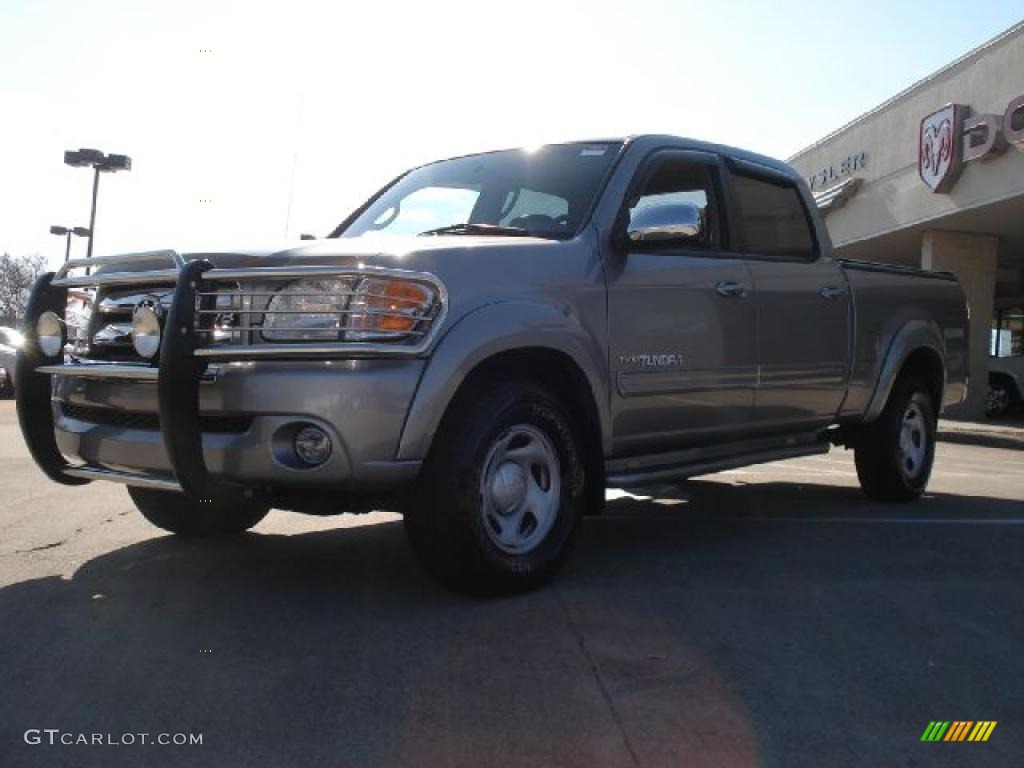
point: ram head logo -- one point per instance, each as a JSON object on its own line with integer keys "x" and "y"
{"x": 939, "y": 154}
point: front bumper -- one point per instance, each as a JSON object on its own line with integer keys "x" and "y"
{"x": 360, "y": 400}
{"x": 361, "y": 404}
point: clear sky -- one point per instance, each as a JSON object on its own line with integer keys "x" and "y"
{"x": 286, "y": 115}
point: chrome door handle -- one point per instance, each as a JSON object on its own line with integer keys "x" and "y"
{"x": 730, "y": 290}
{"x": 829, "y": 292}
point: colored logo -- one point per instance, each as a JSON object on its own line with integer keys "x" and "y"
{"x": 958, "y": 730}
{"x": 938, "y": 155}
{"x": 949, "y": 138}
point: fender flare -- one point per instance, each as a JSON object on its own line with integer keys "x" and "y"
{"x": 490, "y": 330}
{"x": 912, "y": 336}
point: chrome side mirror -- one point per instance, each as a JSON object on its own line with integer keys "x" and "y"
{"x": 665, "y": 223}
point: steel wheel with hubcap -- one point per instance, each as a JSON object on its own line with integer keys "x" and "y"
{"x": 520, "y": 489}
{"x": 501, "y": 493}
{"x": 894, "y": 454}
{"x": 913, "y": 441}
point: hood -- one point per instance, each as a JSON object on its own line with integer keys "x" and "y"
{"x": 395, "y": 252}
{"x": 475, "y": 270}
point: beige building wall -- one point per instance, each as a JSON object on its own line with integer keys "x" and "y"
{"x": 975, "y": 230}
{"x": 972, "y": 258}
{"x": 892, "y": 195}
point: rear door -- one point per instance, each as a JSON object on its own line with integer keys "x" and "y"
{"x": 682, "y": 330}
{"x": 803, "y": 306}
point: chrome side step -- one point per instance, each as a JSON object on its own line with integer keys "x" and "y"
{"x": 91, "y": 472}
{"x": 622, "y": 477}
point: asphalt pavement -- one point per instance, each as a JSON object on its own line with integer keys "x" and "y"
{"x": 768, "y": 616}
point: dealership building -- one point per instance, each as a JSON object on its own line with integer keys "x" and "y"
{"x": 934, "y": 177}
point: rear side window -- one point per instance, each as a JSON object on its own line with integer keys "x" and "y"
{"x": 774, "y": 222}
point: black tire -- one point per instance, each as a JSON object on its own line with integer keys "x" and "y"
{"x": 887, "y": 470}
{"x": 177, "y": 513}
{"x": 453, "y": 524}
{"x": 1002, "y": 397}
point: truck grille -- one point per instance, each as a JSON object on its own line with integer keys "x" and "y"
{"x": 100, "y": 323}
{"x": 234, "y": 424}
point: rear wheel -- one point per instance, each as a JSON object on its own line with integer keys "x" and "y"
{"x": 178, "y": 513}
{"x": 894, "y": 454}
{"x": 502, "y": 490}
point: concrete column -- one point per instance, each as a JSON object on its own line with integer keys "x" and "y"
{"x": 972, "y": 258}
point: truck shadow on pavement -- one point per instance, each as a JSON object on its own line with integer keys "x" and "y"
{"x": 708, "y": 624}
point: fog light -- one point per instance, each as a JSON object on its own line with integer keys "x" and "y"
{"x": 312, "y": 446}
{"x": 50, "y": 334}
{"x": 146, "y": 331}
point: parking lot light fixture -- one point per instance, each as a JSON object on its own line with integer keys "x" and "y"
{"x": 100, "y": 163}
{"x": 67, "y": 232}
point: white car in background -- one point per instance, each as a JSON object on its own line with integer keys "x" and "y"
{"x": 1005, "y": 386}
{"x": 1006, "y": 364}
{"x": 10, "y": 340}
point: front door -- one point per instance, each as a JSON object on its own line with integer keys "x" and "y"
{"x": 682, "y": 320}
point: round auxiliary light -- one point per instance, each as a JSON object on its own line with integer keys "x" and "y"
{"x": 146, "y": 330}
{"x": 312, "y": 446}
{"x": 50, "y": 334}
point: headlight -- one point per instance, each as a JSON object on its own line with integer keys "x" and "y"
{"x": 385, "y": 308}
{"x": 146, "y": 329}
{"x": 50, "y": 334}
{"x": 308, "y": 310}
{"x": 347, "y": 309}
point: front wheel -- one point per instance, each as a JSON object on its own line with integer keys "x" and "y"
{"x": 894, "y": 454}
{"x": 502, "y": 490}
{"x": 180, "y": 514}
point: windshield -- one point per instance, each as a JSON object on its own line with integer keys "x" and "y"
{"x": 545, "y": 192}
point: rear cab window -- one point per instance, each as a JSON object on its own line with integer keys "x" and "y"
{"x": 773, "y": 219}
{"x": 524, "y": 206}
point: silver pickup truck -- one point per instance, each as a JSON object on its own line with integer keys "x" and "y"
{"x": 487, "y": 344}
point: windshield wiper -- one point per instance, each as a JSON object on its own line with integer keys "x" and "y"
{"x": 477, "y": 229}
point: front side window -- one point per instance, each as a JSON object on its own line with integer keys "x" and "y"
{"x": 773, "y": 218}
{"x": 547, "y": 192}
{"x": 675, "y": 181}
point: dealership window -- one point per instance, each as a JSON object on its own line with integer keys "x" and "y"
{"x": 1008, "y": 333}
{"x": 774, "y": 220}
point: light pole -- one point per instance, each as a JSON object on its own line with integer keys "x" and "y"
{"x": 68, "y": 232}
{"x": 100, "y": 163}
